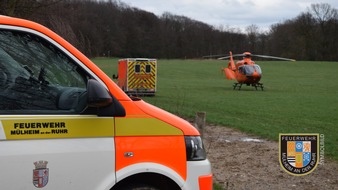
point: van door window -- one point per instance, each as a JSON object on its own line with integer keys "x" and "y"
{"x": 137, "y": 68}
{"x": 148, "y": 69}
{"x": 37, "y": 77}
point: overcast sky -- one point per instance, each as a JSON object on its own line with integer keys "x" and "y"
{"x": 231, "y": 13}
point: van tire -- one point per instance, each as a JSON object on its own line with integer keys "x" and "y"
{"x": 146, "y": 181}
{"x": 141, "y": 187}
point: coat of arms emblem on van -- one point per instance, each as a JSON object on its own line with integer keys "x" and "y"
{"x": 40, "y": 174}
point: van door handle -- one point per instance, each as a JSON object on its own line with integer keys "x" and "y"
{"x": 128, "y": 154}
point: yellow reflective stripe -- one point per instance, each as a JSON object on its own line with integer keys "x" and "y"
{"x": 46, "y": 127}
{"x": 144, "y": 127}
{"x": 135, "y": 80}
{"x": 131, "y": 72}
{"x": 57, "y": 127}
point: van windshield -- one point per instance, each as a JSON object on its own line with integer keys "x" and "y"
{"x": 37, "y": 77}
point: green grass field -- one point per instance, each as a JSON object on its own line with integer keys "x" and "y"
{"x": 298, "y": 97}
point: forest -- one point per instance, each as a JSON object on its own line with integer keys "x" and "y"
{"x": 112, "y": 28}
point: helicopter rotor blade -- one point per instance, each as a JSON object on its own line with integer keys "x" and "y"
{"x": 234, "y": 55}
{"x": 273, "y": 57}
{"x": 253, "y": 55}
{"x": 222, "y": 58}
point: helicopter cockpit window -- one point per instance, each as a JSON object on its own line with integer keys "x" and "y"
{"x": 258, "y": 69}
{"x": 241, "y": 70}
{"x": 37, "y": 77}
{"x": 249, "y": 69}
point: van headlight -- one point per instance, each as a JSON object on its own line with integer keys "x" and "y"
{"x": 194, "y": 148}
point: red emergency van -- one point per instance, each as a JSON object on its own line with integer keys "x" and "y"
{"x": 64, "y": 124}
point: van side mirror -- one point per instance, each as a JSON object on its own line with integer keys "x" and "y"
{"x": 98, "y": 96}
{"x": 106, "y": 105}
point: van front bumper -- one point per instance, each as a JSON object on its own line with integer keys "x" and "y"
{"x": 199, "y": 176}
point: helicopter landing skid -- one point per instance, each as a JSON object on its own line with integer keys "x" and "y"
{"x": 256, "y": 85}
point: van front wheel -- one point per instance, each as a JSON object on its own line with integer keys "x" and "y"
{"x": 146, "y": 181}
{"x": 141, "y": 187}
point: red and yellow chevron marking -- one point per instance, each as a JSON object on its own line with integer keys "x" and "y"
{"x": 142, "y": 79}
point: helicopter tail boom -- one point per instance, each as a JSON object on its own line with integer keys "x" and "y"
{"x": 229, "y": 74}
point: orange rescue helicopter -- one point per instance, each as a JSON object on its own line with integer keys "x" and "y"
{"x": 246, "y": 71}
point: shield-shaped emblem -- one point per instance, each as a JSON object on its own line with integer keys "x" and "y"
{"x": 298, "y": 153}
{"x": 40, "y": 174}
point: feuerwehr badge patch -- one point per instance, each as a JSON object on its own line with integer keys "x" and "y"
{"x": 298, "y": 153}
{"x": 40, "y": 174}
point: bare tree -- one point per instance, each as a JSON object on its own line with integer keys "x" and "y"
{"x": 252, "y": 34}
{"x": 24, "y": 8}
{"x": 326, "y": 18}
{"x": 323, "y": 12}
{"x": 110, "y": 27}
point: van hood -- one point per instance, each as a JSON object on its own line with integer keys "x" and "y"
{"x": 167, "y": 117}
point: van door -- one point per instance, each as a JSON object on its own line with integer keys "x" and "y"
{"x": 49, "y": 137}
